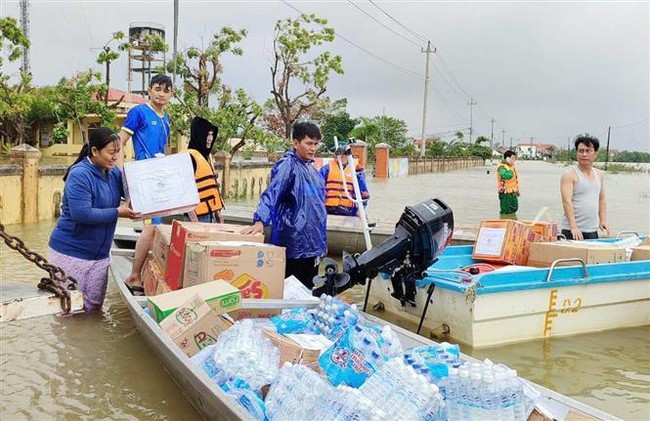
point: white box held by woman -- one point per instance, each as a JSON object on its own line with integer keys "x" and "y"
{"x": 162, "y": 186}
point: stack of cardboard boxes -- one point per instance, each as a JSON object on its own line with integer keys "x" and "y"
{"x": 195, "y": 268}
{"x": 535, "y": 244}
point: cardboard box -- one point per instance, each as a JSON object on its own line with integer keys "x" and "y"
{"x": 299, "y": 349}
{"x": 255, "y": 269}
{"x": 641, "y": 252}
{"x": 185, "y": 232}
{"x": 160, "y": 248}
{"x": 194, "y": 325}
{"x": 503, "y": 241}
{"x": 547, "y": 230}
{"x": 544, "y": 254}
{"x": 220, "y": 296}
{"x": 152, "y": 276}
{"x": 161, "y": 186}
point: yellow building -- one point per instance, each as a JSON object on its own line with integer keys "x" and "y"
{"x": 42, "y": 131}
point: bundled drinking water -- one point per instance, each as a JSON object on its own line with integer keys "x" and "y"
{"x": 299, "y": 393}
{"x": 484, "y": 391}
{"x": 436, "y": 359}
{"x": 204, "y": 360}
{"x": 296, "y": 320}
{"x": 244, "y": 352}
{"x": 403, "y": 394}
{"x": 358, "y": 353}
{"x": 333, "y": 316}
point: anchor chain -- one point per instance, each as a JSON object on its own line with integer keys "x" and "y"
{"x": 57, "y": 283}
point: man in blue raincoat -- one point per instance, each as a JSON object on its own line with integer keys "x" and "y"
{"x": 294, "y": 205}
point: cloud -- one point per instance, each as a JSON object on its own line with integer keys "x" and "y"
{"x": 547, "y": 70}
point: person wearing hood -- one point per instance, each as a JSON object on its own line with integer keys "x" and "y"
{"x": 81, "y": 240}
{"x": 202, "y": 140}
{"x": 294, "y": 205}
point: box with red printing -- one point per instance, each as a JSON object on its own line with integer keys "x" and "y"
{"x": 186, "y": 232}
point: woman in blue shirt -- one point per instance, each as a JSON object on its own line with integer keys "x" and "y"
{"x": 81, "y": 241}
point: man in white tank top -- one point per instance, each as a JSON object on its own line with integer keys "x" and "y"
{"x": 583, "y": 194}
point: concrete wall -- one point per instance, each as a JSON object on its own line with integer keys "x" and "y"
{"x": 50, "y": 190}
{"x": 11, "y": 194}
{"x": 247, "y": 179}
{"x": 424, "y": 165}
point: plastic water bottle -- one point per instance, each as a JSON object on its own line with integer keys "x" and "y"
{"x": 452, "y": 404}
{"x": 244, "y": 352}
{"x": 517, "y": 393}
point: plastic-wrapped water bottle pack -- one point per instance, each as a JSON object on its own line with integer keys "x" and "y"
{"x": 484, "y": 391}
{"x": 299, "y": 393}
{"x": 403, "y": 394}
{"x": 244, "y": 352}
{"x": 358, "y": 353}
{"x": 333, "y": 316}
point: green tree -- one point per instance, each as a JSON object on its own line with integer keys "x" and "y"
{"x": 201, "y": 69}
{"x": 107, "y": 56}
{"x": 15, "y": 97}
{"x": 293, "y": 40}
{"x": 393, "y": 131}
{"x": 79, "y": 97}
{"x": 339, "y": 125}
{"x": 368, "y": 131}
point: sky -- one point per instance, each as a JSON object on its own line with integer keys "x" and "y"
{"x": 546, "y": 70}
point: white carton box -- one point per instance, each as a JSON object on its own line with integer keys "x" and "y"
{"x": 162, "y": 186}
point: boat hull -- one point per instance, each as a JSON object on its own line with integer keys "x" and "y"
{"x": 521, "y": 305}
{"x": 213, "y": 403}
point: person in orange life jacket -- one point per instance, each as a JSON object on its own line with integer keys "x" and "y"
{"x": 508, "y": 184}
{"x": 202, "y": 136}
{"x": 336, "y": 200}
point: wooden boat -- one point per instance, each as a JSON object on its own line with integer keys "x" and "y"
{"x": 343, "y": 232}
{"x": 518, "y": 303}
{"x": 213, "y": 403}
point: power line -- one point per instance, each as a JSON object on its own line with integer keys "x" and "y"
{"x": 422, "y": 38}
{"x": 633, "y": 124}
{"x": 383, "y": 24}
{"x": 446, "y": 67}
{"x": 370, "y": 53}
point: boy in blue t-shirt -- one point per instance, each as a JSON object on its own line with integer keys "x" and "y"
{"x": 148, "y": 125}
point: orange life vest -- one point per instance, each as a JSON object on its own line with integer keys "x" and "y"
{"x": 206, "y": 183}
{"x": 334, "y": 190}
{"x": 507, "y": 186}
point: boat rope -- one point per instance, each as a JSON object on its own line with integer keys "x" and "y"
{"x": 57, "y": 283}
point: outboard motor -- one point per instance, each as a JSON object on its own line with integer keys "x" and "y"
{"x": 421, "y": 234}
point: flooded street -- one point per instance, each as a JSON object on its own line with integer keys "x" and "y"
{"x": 98, "y": 367}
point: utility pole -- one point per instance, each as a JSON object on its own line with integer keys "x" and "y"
{"x": 24, "y": 26}
{"x": 471, "y": 104}
{"x": 510, "y": 142}
{"x": 492, "y": 135}
{"x": 568, "y": 149}
{"x": 503, "y": 134}
{"x": 531, "y": 147}
{"x": 175, "y": 41}
{"x": 426, "y": 93}
{"x": 607, "y": 150}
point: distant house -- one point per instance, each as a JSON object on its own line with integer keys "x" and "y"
{"x": 535, "y": 150}
{"x": 88, "y": 122}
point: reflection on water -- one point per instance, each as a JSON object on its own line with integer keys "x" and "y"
{"x": 98, "y": 366}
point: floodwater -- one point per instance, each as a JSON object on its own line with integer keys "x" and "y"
{"x": 98, "y": 367}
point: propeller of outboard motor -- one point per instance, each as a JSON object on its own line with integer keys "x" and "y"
{"x": 331, "y": 281}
